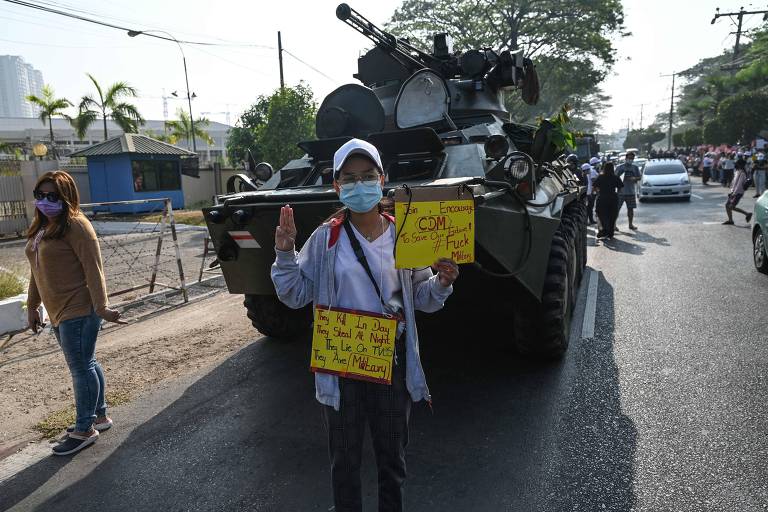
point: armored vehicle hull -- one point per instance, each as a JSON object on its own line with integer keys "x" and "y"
{"x": 530, "y": 235}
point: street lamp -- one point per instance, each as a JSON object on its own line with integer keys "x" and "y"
{"x": 134, "y": 33}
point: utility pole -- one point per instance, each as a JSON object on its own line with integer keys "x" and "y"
{"x": 280, "y": 57}
{"x": 641, "y": 115}
{"x": 740, "y": 16}
{"x": 671, "y": 111}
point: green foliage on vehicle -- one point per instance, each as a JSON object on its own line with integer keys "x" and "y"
{"x": 560, "y": 136}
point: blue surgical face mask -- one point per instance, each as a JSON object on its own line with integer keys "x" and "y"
{"x": 362, "y": 196}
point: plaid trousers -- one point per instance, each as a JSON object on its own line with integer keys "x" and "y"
{"x": 386, "y": 410}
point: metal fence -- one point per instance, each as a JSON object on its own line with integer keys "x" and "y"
{"x": 141, "y": 255}
{"x": 13, "y": 215}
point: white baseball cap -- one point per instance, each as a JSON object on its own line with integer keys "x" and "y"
{"x": 355, "y": 147}
{"x": 594, "y": 160}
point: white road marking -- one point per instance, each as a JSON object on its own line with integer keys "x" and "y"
{"x": 711, "y": 223}
{"x": 697, "y": 197}
{"x": 590, "y": 309}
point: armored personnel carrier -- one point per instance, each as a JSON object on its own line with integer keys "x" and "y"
{"x": 433, "y": 116}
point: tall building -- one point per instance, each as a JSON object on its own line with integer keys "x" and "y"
{"x": 18, "y": 80}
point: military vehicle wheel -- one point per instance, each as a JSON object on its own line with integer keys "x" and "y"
{"x": 273, "y": 318}
{"x": 542, "y": 329}
{"x": 575, "y": 216}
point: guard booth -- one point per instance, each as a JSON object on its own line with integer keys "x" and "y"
{"x": 132, "y": 167}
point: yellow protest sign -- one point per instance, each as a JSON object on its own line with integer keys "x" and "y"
{"x": 438, "y": 223}
{"x": 353, "y": 344}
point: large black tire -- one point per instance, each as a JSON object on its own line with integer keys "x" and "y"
{"x": 542, "y": 329}
{"x": 273, "y": 318}
{"x": 575, "y": 217}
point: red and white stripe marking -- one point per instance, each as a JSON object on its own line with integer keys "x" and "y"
{"x": 244, "y": 239}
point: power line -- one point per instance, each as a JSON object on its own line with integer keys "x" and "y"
{"x": 123, "y": 20}
{"x": 58, "y": 45}
{"x": 118, "y": 27}
{"x": 310, "y": 66}
{"x": 231, "y": 62}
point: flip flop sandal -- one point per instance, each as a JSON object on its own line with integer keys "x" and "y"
{"x": 74, "y": 444}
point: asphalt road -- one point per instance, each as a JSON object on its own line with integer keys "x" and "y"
{"x": 664, "y": 409}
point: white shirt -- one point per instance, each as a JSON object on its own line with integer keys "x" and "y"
{"x": 354, "y": 289}
{"x": 591, "y": 175}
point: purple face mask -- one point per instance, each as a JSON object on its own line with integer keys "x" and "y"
{"x": 48, "y": 208}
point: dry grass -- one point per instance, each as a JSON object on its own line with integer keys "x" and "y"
{"x": 10, "y": 285}
{"x": 193, "y": 217}
{"x": 56, "y": 422}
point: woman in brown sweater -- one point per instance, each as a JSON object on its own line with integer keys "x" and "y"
{"x": 67, "y": 277}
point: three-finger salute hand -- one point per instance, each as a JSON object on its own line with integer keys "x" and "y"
{"x": 447, "y": 271}
{"x": 285, "y": 233}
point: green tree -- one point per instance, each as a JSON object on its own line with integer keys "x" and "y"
{"x": 572, "y": 43}
{"x": 701, "y": 99}
{"x": 643, "y": 139}
{"x": 50, "y": 106}
{"x": 243, "y": 144}
{"x": 712, "y": 81}
{"x": 290, "y": 120}
{"x": 743, "y": 116}
{"x": 754, "y": 75}
{"x": 273, "y": 126}
{"x": 110, "y": 104}
{"x": 693, "y": 136}
{"x": 181, "y": 129}
{"x": 714, "y": 133}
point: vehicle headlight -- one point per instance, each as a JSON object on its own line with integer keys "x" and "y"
{"x": 684, "y": 180}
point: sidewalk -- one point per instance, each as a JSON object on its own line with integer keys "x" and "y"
{"x": 35, "y": 381}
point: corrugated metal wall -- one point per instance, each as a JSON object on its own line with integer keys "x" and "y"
{"x": 13, "y": 217}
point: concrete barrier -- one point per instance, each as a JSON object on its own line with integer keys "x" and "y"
{"x": 13, "y": 314}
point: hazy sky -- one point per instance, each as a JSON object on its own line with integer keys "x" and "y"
{"x": 667, "y": 35}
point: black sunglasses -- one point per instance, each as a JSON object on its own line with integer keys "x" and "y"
{"x": 51, "y": 196}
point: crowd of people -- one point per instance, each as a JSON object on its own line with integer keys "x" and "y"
{"x": 609, "y": 187}
{"x": 734, "y": 168}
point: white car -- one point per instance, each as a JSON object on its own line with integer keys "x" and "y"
{"x": 664, "y": 178}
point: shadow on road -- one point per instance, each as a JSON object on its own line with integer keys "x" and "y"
{"x": 505, "y": 434}
{"x": 597, "y": 441}
{"x": 619, "y": 245}
{"x": 27, "y": 481}
{"x": 645, "y": 237}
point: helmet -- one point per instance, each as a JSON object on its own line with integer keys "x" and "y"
{"x": 572, "y": 158}
{"x": 594, "y": 160}
{"x": 586, "y": 167}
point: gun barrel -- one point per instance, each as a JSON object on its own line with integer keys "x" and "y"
{"x": 398, "y": 49}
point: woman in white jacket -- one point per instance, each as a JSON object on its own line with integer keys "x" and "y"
{"x": 328, "y": 271}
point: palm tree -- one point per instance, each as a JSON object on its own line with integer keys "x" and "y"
{"x": 110, "y": 104}
{"x": 50, "y": 106}
{"x": 182, "y": 128}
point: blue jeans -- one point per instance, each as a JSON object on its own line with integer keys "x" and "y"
{"x": 77, "y": 339}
